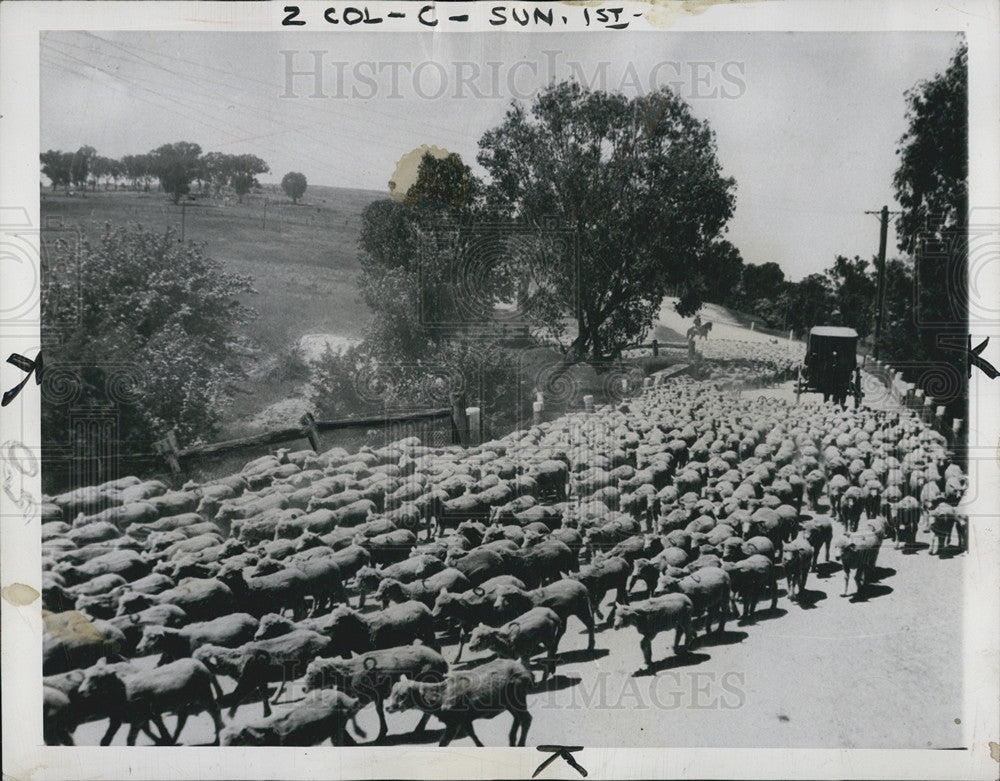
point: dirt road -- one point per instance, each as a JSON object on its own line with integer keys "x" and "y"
{"x": 884, "y": 672}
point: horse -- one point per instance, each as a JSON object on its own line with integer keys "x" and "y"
{"x": 701, "y": 331}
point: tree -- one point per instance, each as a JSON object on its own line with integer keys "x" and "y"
{"x": 102, "y": 169}
{"x": 761, "y": 284}
{"x": 243, "y": 171}
{"x": 415, "y": 262}
{"x": 80, "y": 169}
{"x": 853, "y": 291}
{"x": 809, "y": 303}
{"x": 932, "y": 191}
{"x": 294, "y": 185}
{"x": 443, "y": 184}
{"x": 722, "y": 268}
{"x": 900, "y": 338}
{"x": 161, "y": 315}
{"x": 215, "y": 170}
{"x": 637, "y": 185}
{"x": 57, "y": 166}
{"x": 176, "y": 165}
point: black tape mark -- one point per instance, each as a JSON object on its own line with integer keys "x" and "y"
{"x": 564, "y": 752}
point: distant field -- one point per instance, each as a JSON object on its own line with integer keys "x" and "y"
{"x": 303, "y": 260}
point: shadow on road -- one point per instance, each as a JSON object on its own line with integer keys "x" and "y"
{"x": 683, "y": 659}
{"x": 883, "y": 572}
{"x": 909, "y": 548}
{"x": 871, "y": 591}
{"x": 950, "y": 551}
{"x": 727, "y": 637}
{"x": 581, "y": 655}
{"x": 827, "y": 568}
{"x": 555, "y": 683}
{"x": 427, "y": 736}
{"x": 764, "y": 614}
{"x": 808, "y": 598}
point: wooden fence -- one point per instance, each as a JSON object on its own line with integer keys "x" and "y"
{"x": 96, "y": 459}
{"x": 926, "y": 407}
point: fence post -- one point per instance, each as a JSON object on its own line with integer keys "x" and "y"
{"x": 459, "y": 420}
{"x": 656, "y": 348}
{"x": 588, "y": 403}
{"x": 956, "y": 430}
{"x": 927, "y": 412}
{"x": 536, "y": 413}
{"x": 308, "y": 423}
{"x": 475, "y": 425}
{"x": 167, "y": 447}
{"x": 939, "y": 420}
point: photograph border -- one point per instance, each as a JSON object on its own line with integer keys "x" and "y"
{"x": 26, "y": 756}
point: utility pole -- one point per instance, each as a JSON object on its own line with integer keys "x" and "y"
{"x": 880, "y": 270}
{"x": 183, "y": 218}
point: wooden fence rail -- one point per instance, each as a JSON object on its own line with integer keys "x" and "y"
{"x": 308, "y": 429}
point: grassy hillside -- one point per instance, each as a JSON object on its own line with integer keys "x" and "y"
{"x": 302, "y": 259}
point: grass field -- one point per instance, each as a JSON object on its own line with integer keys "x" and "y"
{"x": 302, "y": 259}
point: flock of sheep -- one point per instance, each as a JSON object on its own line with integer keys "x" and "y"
{"x": 689, "y": 502}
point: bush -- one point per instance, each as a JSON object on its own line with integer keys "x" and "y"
{"x": 144, "y": 323}
{"x": 355, "y": 382}
{"x": 291, "y": 365}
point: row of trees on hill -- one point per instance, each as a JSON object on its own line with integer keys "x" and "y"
{"x": 844, "y": 294}
{"x": 176, "y": 167}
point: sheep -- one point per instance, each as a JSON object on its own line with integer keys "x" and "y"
{"x": 425, "y": 590}
{"x": 600, "y": 577}
{"x": 370, "y": 677}
{"x": 184, "y": 687}
{"x": 462, "y": 697}
{"x": 566, "y": 597}
{"x": 319, "y": 716}
{"x": 229, "y": 631}
{"x": 540, "y": 627}
{"x": 260, "y": 662}
{"x": 271, "y": 593}
{"x": 58, "y": 720}
{"x": 658, "y": 614}
{"x": 405, "y": 571}
{"x": 70, "y": 640}
{"x": 201, "y": 598}
{"x": 748, "y": 580}
{"x": 83, "y": 708}
{"x": 400, "y": 624}
{"x": 472, "y": 607}
{"x": 798, "y": 557}
{"x": 708, "y": 589}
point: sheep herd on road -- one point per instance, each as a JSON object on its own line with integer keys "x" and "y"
{"x": 341, "y": 574}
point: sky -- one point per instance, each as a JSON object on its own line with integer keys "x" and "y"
{"x": 807, "y": 123}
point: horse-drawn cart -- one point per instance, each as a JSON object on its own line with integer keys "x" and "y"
{"x": 830, "y": 364}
